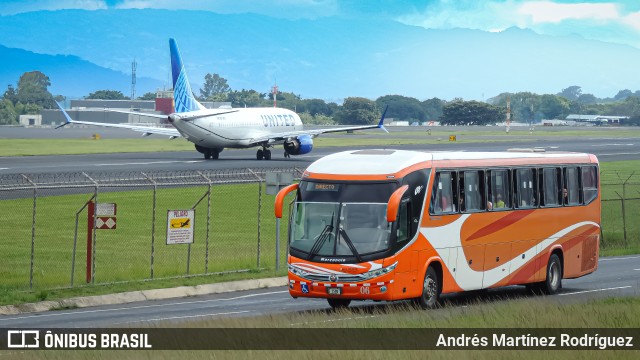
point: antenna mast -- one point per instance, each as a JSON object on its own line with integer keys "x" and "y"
{"x": 508, "y": 112}
{"x": 134, "y": 65}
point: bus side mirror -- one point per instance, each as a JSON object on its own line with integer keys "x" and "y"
{"x": 280, "y": 198}
{"x": 394, "y": 203}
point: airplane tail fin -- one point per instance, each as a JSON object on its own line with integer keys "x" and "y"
{"x": 183, "y": 98}
{"x": 381, "y": 122}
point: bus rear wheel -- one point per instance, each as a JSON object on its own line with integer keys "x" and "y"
{"x": 553, "y": 282}
{"x": 430, "y": 297}
{"x": 554, "y": 275}
{"x": 339, "y": 303}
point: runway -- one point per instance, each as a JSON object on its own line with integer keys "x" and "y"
{"x": 606, "y": 148}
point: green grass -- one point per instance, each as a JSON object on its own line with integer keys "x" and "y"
{"x": 124, "y": 254}
{"x": 414, "y": 136}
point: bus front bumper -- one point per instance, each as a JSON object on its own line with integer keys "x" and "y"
{"x": 371, "y": 290}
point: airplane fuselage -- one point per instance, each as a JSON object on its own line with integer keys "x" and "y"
{"x": 235, "y": 129}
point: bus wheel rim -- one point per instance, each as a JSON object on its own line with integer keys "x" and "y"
{"x": 430, "y": 288}
{"x": 553, "y": 275}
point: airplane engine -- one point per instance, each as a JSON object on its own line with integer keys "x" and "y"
{"x": 303, "y": 144}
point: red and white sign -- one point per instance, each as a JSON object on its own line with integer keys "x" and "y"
{"x": 106, "y": 222}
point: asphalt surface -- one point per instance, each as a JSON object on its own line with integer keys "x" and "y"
{"x": 605, "y": 147}
{"x": 615, "y": 277}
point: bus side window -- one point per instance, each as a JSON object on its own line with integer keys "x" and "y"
{"x": 550, "y": 188}
{"x": 404, "y": 222}
{"x": 442, "y": 200}
{"x": 473, "y": 191}
{"x": 589, "y": 183}
{"x": 524, "y": 187}
{"x": 499, "y": 191}
{"x": 572, "y": 186}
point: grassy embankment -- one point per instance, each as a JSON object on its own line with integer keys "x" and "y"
{"x": 539, "y": 312}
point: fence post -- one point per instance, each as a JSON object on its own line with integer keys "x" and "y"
{"x": 624, "y": 197}
{"x": 75, "y": 239}
{"x": 208, "y": 195}
{"x": 91, "y": 250}
{"x": 33, "y": 229}
{"x": 259, "y": 210}
{"x": 153, "y": 221}
{"x": 206, "y": 250}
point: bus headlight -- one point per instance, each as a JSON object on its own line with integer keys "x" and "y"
{"x": 297, "y": 271}
{"x": 379, "y": 272}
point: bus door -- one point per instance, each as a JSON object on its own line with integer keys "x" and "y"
{"x": 471, "y": 255}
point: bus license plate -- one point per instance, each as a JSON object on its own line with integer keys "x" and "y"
{"x": 334, "y": 291}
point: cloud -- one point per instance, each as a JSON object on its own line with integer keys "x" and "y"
{"x": 562, "y": 17}
{"x": 548, "y": 11}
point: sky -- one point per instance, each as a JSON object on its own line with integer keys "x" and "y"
{"x": 610, "y": 21}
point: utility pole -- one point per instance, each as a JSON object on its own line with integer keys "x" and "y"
{"x": 274, "y": 92}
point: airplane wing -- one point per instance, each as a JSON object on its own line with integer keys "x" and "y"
{"x": 145, "y": 130}
{"x": 277, "y": 138}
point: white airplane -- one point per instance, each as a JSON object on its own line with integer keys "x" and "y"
{"x": 212, "y": 130}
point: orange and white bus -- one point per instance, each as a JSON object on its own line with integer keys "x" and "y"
{"x": 394, "y": 224}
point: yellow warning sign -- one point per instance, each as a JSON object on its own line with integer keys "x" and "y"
{"x": 180, "y": 223}
{"x": 180, "y": 226}
{"x": 452, "y": 138}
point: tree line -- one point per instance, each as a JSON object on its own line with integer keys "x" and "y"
{"x": 32, "y": 95}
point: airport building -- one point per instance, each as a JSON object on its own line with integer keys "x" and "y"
{"x": 600, "y": 119}
{"x": 94, "y": 110}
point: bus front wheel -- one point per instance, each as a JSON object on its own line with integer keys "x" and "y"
{"x": 430, "y": 297}
{"x": 339, "y": 303}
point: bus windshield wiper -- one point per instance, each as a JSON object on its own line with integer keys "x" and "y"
{"x": 324, "y": 235}
{"x": 350, "y": 244}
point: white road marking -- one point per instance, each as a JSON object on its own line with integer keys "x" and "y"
{"x": 150, "y": 163}
{"x": 623, "y": 258}
{"x": 598, "y": 145}
{"x": 172, "y": 304}
{"x": 334, "y": 320}
{"x": 596, "y": 290}
{"x": 183, "y": 317}
{"x": 4, "y": 168}
{"x": 636, "y": 269}
{"x": 616, "y": 154}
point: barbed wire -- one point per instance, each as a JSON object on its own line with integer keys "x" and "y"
{"x": 139, "y": 178}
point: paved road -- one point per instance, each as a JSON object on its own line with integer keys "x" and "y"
{"x": 607, "y": 149}
{"x": 616, "y": 276}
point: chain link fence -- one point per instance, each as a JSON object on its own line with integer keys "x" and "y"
{"x": 620, "y": 209}
{"x": 48, "y": 240}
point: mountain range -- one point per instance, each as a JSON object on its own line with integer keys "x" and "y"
{"x": 329, "y": 58}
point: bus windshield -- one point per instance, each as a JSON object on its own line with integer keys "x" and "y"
{"x": 340, "y": 229}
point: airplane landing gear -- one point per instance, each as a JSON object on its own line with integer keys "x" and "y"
{"x": 263, "y": 154}
{"x": 212, "y": 154}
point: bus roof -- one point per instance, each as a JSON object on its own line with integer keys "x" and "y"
{"x": 396, "y": 163}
